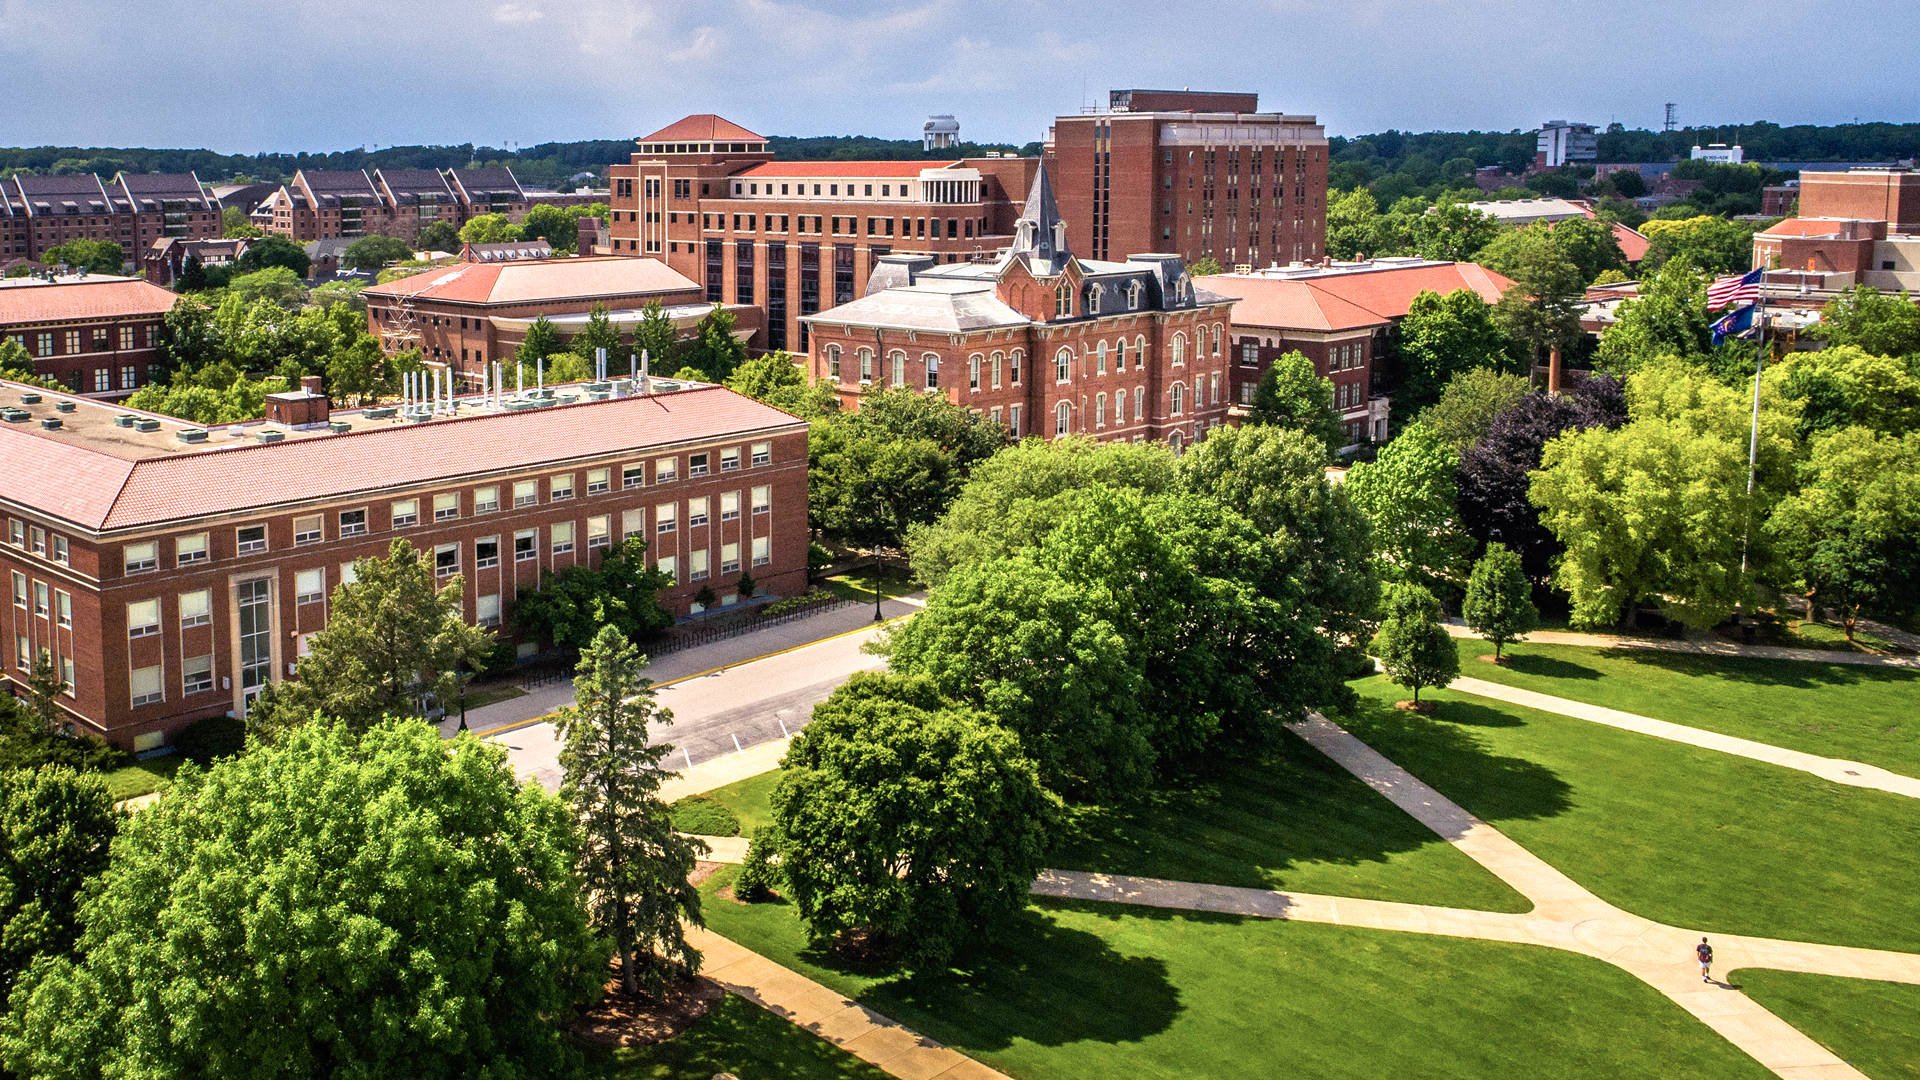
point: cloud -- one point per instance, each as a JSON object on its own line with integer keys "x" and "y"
{"x": 516, "y": 14}
{"x": 703, "y": 46}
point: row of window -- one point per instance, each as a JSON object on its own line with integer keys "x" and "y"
{"x": 43, "y": 600}
{"x": 33, "y": 538}
{"x": 92, "y": 340}
{"x": 23, "y": 658}
{"x": 144, "y": 555}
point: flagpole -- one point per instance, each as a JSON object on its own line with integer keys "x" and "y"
{"x": 1753, "y": 436}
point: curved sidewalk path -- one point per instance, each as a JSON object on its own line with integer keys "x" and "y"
{"x": 1702, "y": 647}
{"x": 1565, "y": 916}
{"x": 1837, "y": 770}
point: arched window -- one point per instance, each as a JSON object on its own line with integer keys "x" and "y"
{"x": 1062, "y": 302}
{"x": 1063, "y": 365}
{"x": 1093, "y": 299}
{"x": 973, "y": 373}
{"x": 1173, "y": 440}
{"x": 1179, "y": 349}
{"x": 1179, "y": 399}
{"x": 1139, "y": 403}
{"x": 898, "y": 361}
{"x": 1100, "y": 359}
{"x": 1219, "y": 335}
{"x": 1062, "y": 419}
{"x": 997, "y": 358}
{"x": 1134, "y": 291}
{"x": 1099, "y": 410}
{"x": 932, "y": 361}
{"x": 866, "y": 366}
{"x": 833, "y": 362}
{"x": 1013, "y": 365}
{"x": 1120, "y": 357}
{"x": 1140, "y": 352}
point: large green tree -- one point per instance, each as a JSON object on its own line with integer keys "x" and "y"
{"x": 1849, "y": 386}
{"x": 1468, "y": 404}
{"x": 910, "y": 818}
{"x": 276, "y": 284}
{"x": 1886, "y": 324}
{"x": 439, "y": 236}
{"x": 540, "y": 341}
{"x": 552, "y": 224}
{"x": 634, "y": 864}
{"x": 572, "y": 606}
{"x": 1849, "y": 535}
{"x": 895, "y": 463}
{"x": 1542, "y": 310}
{"x": 1410, "y": 499}
{"x": 1291, "y": 393}
{"x": 1590, "y": 245}
{"x": 599, "y": 333}
{"x": 269, "y": 251}
{"x": 375, "y": 252}
{"x": 489, "y": 229}
{"x": 388, "y": 904}
{"x": 1414, "y": 648}
{"x": 1443, "y": 337}
{"x": 655, "y": 337}
{"x": 1667, "y": 318}
{"x": 55, "y": 825}
{"x": 776, "y": 379}
{"x": 714, "y": 351}
{"x": 1499, "y": 602}
{"x": 93, "y": 256}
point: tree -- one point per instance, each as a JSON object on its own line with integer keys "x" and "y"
{"x": 1205, "y": 266}
{"x": 1292, "y": 394}
{"x": 270, "y": 251}
{"x": 394, "y": 644}
{"x": 236, "y": 225}
{"x": 1451, "y": 231}
{"x": 16, "y": 363}
{"x": 1542, "y": 310}
{"x": 55, "y": 826}
{"x": 93, "y": 256}
{"x": 599, "y": 333}
{"x": 654, "y": 336}
{"x": 489, "y": 229}
{"x": 1353, "y": 224}
{"x": 1589, "y": 244}
{"x": 714, "y": 351}
{"x": 375, "y": 252}
{"x": 552, "y": 224}
{"x": 776, "y": 379}
{"x": 540, "y": 342}
{"x": 340, "y": 292}
{"x": 438, "y": 236}
{"x": 1409, "y": 497}
{"x": 1667, "y": 318}
{"x": 391, "y": 904}
{"x": 276, "y": 284}
{"x": 895, "y": 463}
{"x": 1414, "y": 648}
{"x": 1886, "y": 324}
{"x": 908, "y": 817}
{"x": 570, "y": 607}
{"x": 1442, "y": 337}
{"x": 1850, "y": 534}
{"x": 1848, "y": 386}
{"x": 1469, "y": 403}
{"x": 1709, "y": 243}
{"x": 1499, "y": 603}
{"x": 634, "y": 865}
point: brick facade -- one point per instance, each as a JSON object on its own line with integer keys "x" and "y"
{"x": 132, "y": 209}
{"x": 94, "y": 335}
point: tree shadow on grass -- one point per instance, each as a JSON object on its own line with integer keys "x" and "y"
{"x": 1798, "y": 674}
{"x": 1442, "y": 749}
{"x": 1546, "y": 667}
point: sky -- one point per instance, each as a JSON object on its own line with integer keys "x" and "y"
{"x": 331, "y": 74}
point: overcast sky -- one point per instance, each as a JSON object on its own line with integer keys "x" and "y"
{"x": 329, "y": 74}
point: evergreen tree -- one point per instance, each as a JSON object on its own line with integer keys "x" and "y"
{"x": 1413, "y": 645}
{"x": 655, "y": 337}
{"x": 542, "y": 341}
{"x": 714, "y": 350}
{"x": 1499, "y": 604}
{"x": 599, "y": 333}
{"x": 634, "y": 864}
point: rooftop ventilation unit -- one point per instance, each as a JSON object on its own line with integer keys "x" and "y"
{"x": 124, "y": 420}
{"x": 63, "y": 406}
{"x": 16, "y": 416}
{"x": 51, "y": 423}
{"x": 191, "y": 435}
{"x": 146, "y": 425}
{"x": 381, "y": 413}
{"x": 29, "y": 399}
{"x": 272, "y": 436}
{"x": 339, "y": 427}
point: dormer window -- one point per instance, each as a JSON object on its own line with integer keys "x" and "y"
{"x": 1062, "y": 302}
{"x": 1134, "y": 290}
{"x": 1093, "y": 299}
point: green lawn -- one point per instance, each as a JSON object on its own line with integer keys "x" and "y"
{"x": 701, "y": 815}
{"x": 1672, "y": 832}
{"x": 749, "y": 800}
{"x": 493, "y": 695}
{"x": 1837, "y": 710}
{"x": 737, "y": 1037}
{"x": 1870, "y": 1025}
{"x": 1103, "y": 990}
{"x": 1296, "y": 822}
{"x": 858, "y": 584}
{"x": 142, "y": 777}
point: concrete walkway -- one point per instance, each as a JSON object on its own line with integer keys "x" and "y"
{"x": 847, "y": 1024}
{"x": 1565, "y": 916}
{"x": 1702, "y": 647}
{"x": 1838, "y": 770}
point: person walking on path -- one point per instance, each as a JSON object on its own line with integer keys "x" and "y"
{"x": 1704, "y": 952}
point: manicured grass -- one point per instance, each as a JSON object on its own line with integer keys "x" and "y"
{"x": 858, "y": 584}
{"x": 492, "y": 695}
{"x": 1676, "y": 833}
{"x": 1851, "y": 711}
{"x": 737, "y": 1037}
{"x": 749, "y": 800}
{"x": 1102, "y": 990}
{"x": 1296, "y": 822}
{"x": 703, "y": 816}
{"x": 1873, "y": 1026}
{"x": 143, "y": 777}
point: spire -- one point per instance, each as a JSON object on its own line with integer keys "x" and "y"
{"x": 1040, "y": 234}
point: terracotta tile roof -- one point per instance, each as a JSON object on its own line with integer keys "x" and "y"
{"x": 1632, "y": 244}
{"x": 64, "y": 301}
{"x": 780, "y": 170}
{"x": 1292, "y": 305}
{"x": 100, "y": 491}
{"x": 550, "y": 279}
{"x": 1347, "y": 300}
{"x": 703, "y": 127}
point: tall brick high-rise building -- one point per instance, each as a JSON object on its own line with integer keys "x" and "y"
{"x": 795, "y": 238}
{"x": 1199, "y": 174}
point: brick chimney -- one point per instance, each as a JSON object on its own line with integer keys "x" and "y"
{"x": 305, "y": 407}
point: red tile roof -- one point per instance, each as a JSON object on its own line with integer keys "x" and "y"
{"x": 67, "y": 301}
{"x": 98, "y": 490}
{"x": 703, "y": 127}
{"x": 542, "y": 279}
{"x": 855, "y": 169}
{"x": 1632, "y": 244}
{"x": 1294, "y": 305}
{"x": 1346, "y": 301}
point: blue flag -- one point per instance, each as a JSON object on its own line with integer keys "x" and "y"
{"x": 1733, "y": 324}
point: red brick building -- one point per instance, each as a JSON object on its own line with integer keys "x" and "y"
{"x": 1889, "y": 195}
{"x": 346, "y": 204}
{"x": 170, "y": 572}
{"x": 1859, "y": 227}
{"x": 795, "y": 238}
{"x": 95, "y": 335}
{"x": 165, "y": 259}
{"x": 1201, "y": 175}
{"x": 132, "y": 210}
{"x": 468, "y": 314}
{"x": 1341, "y": 317}
{"x": 1039, "y": 340}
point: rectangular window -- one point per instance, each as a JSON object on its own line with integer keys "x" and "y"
{"x": 309, "y": 586}
{"x": 23, "y": 653}
{"x": 306, "y": 529}
{"x": 526, "y": 493}
{"x": 561, "y": 540}
{"x": 729, "y": 558}
{"x": 633, "y": 523}
{"x": 762, "y": 498}
{"x": 486, "y": 553}
{"x": 17, "y": 533}
{"x": 597, "y": 483}
{"x": 196, "y": 608}
{"x": 696, "y": 464}
{"x": 486, "y": 499}
{"x": 729, "y": 505}
{"x": 486, "y": 609}
{"x": 353, "y": 522}
{"x": 632, "y": 476}
{"x": 696, "y": 512}
{"x": 39, "y": 540}
{"x": 143, "y": 618}
{"x": 190, "y": 549}
{"x": 667, "y": 565}
{"x": 526, "y": 545}
{"x": 697, "y": 565}
{"x": 599, "y": 531}
{"x": 67, "y": 674}
{"x": 63, "y": 608}
{"x": 196, "y": 674}
{"x": 560, "y": 487}
{"x": 663, "y": 518}
{"x": 762, "y": 453}
{"x": 142, "y": 557}
{"x": 446, "y": 560}
{"x": 42, "y": 600}
{"x": 665, "y": 469}
{"x": 762, "y": 550}
{"x": 406, "y": 512}
{"x": 1013, "y": 419}
{"x": 146, "y": 686}
{"x": 446, "y": 507}
{"x": 729, "y": 459}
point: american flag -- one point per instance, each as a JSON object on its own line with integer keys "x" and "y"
{"x": 1734, "y": 289}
